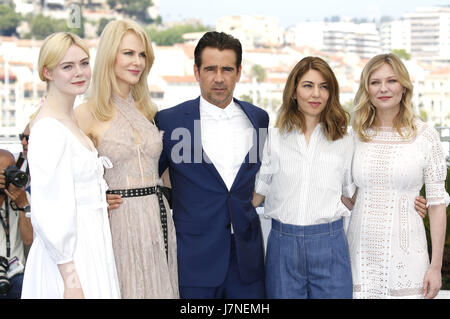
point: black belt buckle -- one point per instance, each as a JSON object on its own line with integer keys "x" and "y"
{"x": 135, "y": 192}
{"x": 159, "y": 191}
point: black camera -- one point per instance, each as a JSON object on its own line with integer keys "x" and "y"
{"x": 15, "y": 176}
{"x": 4, "y": 282}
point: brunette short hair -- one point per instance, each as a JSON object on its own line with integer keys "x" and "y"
{"x": 220, "y": 41}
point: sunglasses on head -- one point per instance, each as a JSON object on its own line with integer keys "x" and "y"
{"x": 22, "y": 136}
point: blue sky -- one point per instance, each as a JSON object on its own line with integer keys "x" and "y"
{"x": 288, "y": 11}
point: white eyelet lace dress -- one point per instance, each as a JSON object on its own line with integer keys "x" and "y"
{"x": 386, "y": 236}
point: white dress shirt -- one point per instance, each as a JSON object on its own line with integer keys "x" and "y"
{"x": 227, "y": 136}
{"x": 302, "y": 183}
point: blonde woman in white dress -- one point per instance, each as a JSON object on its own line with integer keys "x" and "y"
{"x": 71, "y": 255}
{"x": 395, "y": 154}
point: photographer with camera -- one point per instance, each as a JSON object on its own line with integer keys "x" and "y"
{"x": 16, "y": 229}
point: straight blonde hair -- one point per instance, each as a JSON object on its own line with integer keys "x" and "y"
{"x": 333, "y": 117}
{"x": 364, "y": 112}
{"x": 104, "y": 82}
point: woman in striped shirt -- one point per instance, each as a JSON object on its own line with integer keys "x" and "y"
{"x": 305, "y": 171}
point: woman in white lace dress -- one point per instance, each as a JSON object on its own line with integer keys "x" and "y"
{"x": 395, "y": 154}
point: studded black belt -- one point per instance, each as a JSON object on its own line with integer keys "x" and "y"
{"x": 145, "y": 191}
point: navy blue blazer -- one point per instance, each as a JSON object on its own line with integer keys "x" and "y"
{"x": 203, "y": 207}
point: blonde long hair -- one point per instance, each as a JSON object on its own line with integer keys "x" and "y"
{"x": 104, "y": 81}
{"x": 333, "y": 117}
{"x": 364, "y": 112}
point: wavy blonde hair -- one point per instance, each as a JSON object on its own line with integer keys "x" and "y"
{"x": 104, "y": 82}
{"x": 364, "y": 111}
{"x": 333, "y": 117}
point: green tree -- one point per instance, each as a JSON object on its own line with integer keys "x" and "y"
{"x": 112, "y": 3}
{"x": 102, "y": 24}
{"x": 423, "y": 115}
{"x": 165, "y": 37}
{"x": 158, "y": 20}
{"x": 258, "y": 72}
{"x": 9, "y": 20}
{"x": 246, "y": 98}
{"x": 135, "y": 9}
{"x": 402, "y": 54}
{"x": 42, "y": 26}
{"x": 174, "y": 34}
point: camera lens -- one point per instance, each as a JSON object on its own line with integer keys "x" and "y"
{"x": 15, "y": 176}
{"x": 20, "y": 179}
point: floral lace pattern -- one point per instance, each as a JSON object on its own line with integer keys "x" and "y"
{"x": 134, "y": 144}
{"x": 387, "y": 242}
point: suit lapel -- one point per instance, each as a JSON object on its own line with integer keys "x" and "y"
{"x": 248, "y": 112}
{"x": 192, "y": 123}
{"x": 252, "y": 155}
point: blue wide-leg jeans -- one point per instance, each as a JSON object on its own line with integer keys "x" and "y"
{"x": 310, "y": 262}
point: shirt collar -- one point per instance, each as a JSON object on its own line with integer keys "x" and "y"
{"x": 217, "y": 112}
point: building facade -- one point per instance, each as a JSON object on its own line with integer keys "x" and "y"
{"x": 424, "y": 33}
{"x": 252, "y": 31}
{"x": 362, "y": 39}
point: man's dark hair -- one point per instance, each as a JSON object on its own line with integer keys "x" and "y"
{"x": 220, "y": 41}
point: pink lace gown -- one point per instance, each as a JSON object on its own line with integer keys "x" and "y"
{"x": 133, "y": 144}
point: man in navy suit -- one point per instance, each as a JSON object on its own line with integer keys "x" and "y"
{"x": 212, "y": 146}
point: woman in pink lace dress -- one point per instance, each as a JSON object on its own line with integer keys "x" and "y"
{"x": 118, "y": 117}
{"x": 395, "y": 154}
